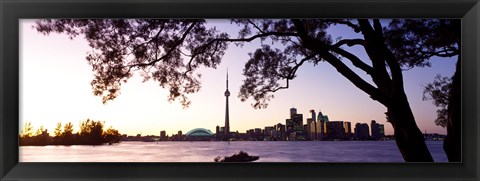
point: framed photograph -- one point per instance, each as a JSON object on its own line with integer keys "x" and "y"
{"x": 364, "y": 90}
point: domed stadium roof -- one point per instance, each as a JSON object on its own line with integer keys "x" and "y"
{"x": 199, "y": 132}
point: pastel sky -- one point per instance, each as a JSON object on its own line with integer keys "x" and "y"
{"x": 55, "y": 87}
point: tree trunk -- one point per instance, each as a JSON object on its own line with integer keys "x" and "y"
{"x": 408, "y": 137}
{"x": 452, "y": 144}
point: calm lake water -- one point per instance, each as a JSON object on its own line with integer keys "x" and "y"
{"x": 275, "y": 151}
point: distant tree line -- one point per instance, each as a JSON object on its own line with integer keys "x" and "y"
{"x": 91, "y": 133}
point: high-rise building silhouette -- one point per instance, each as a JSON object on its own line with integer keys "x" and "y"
{"x": 227, "y": 121}
{"x": 321, "y": 125}
{"x": 293, "y": 112}
{"x": 281, "y": 131}
{"x": 361, "y": 131}
{"x": 335, "y": 130}
{"x": 348, "y": 130}
{"x": 377, "y": 130}
{"x": 311, "y": 126}
{"x": 294, "y": 126}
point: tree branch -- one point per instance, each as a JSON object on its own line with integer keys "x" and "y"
{"x": 147, "y": 42}
{"x": 349, "y": 42}
{"x": 189, "y": 65}
{"x": 354, "y": 59}
{"x": 321, "y": 48}
{"x": 279, "y": 88}
{"x": 441, "y": 53}
{"x": 355, "y": 27}
{"x": 292, "y": 73}
{"x": 178, "y": 43}
{"x": 216, "y": 40}
{"x": 378, "y": 28}
{"x": 255, "y": 25}
{"x": 253, "y": 37}
{"x": 374, "y": 45}
{"x": 397, "y": 77}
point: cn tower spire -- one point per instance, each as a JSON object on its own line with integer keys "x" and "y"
{"x": 227, "y": 119}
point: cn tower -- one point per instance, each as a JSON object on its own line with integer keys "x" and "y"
{"x": 227, "y": 124}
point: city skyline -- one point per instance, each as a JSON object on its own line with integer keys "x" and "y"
{"x": 61, "y": 77}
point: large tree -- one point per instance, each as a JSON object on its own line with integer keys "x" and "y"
{"x": 416, "y": 41}
{"x": 169, "y": 51}
{"x": 312, "y": 43}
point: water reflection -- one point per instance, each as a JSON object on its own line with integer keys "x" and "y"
{"x": 375, "y": 151}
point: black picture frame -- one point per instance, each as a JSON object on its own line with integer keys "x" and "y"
{"x": 11, "y": 11}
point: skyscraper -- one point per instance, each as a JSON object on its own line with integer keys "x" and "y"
{"x": 281, "y": 131}
{"x": 293, "y": 111}
{"x": 294, "y": 126}
{"x": 227, "y": 121}
{"x": 361, "y": 131}
{"x": 335, "y": 130}
{"x": 377, "y": 130}
{"x": 298, "y": 122}
{"x": 311, "y": 126}
{"x": 348, "y": 130}
{"x": 322, "y": 128}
